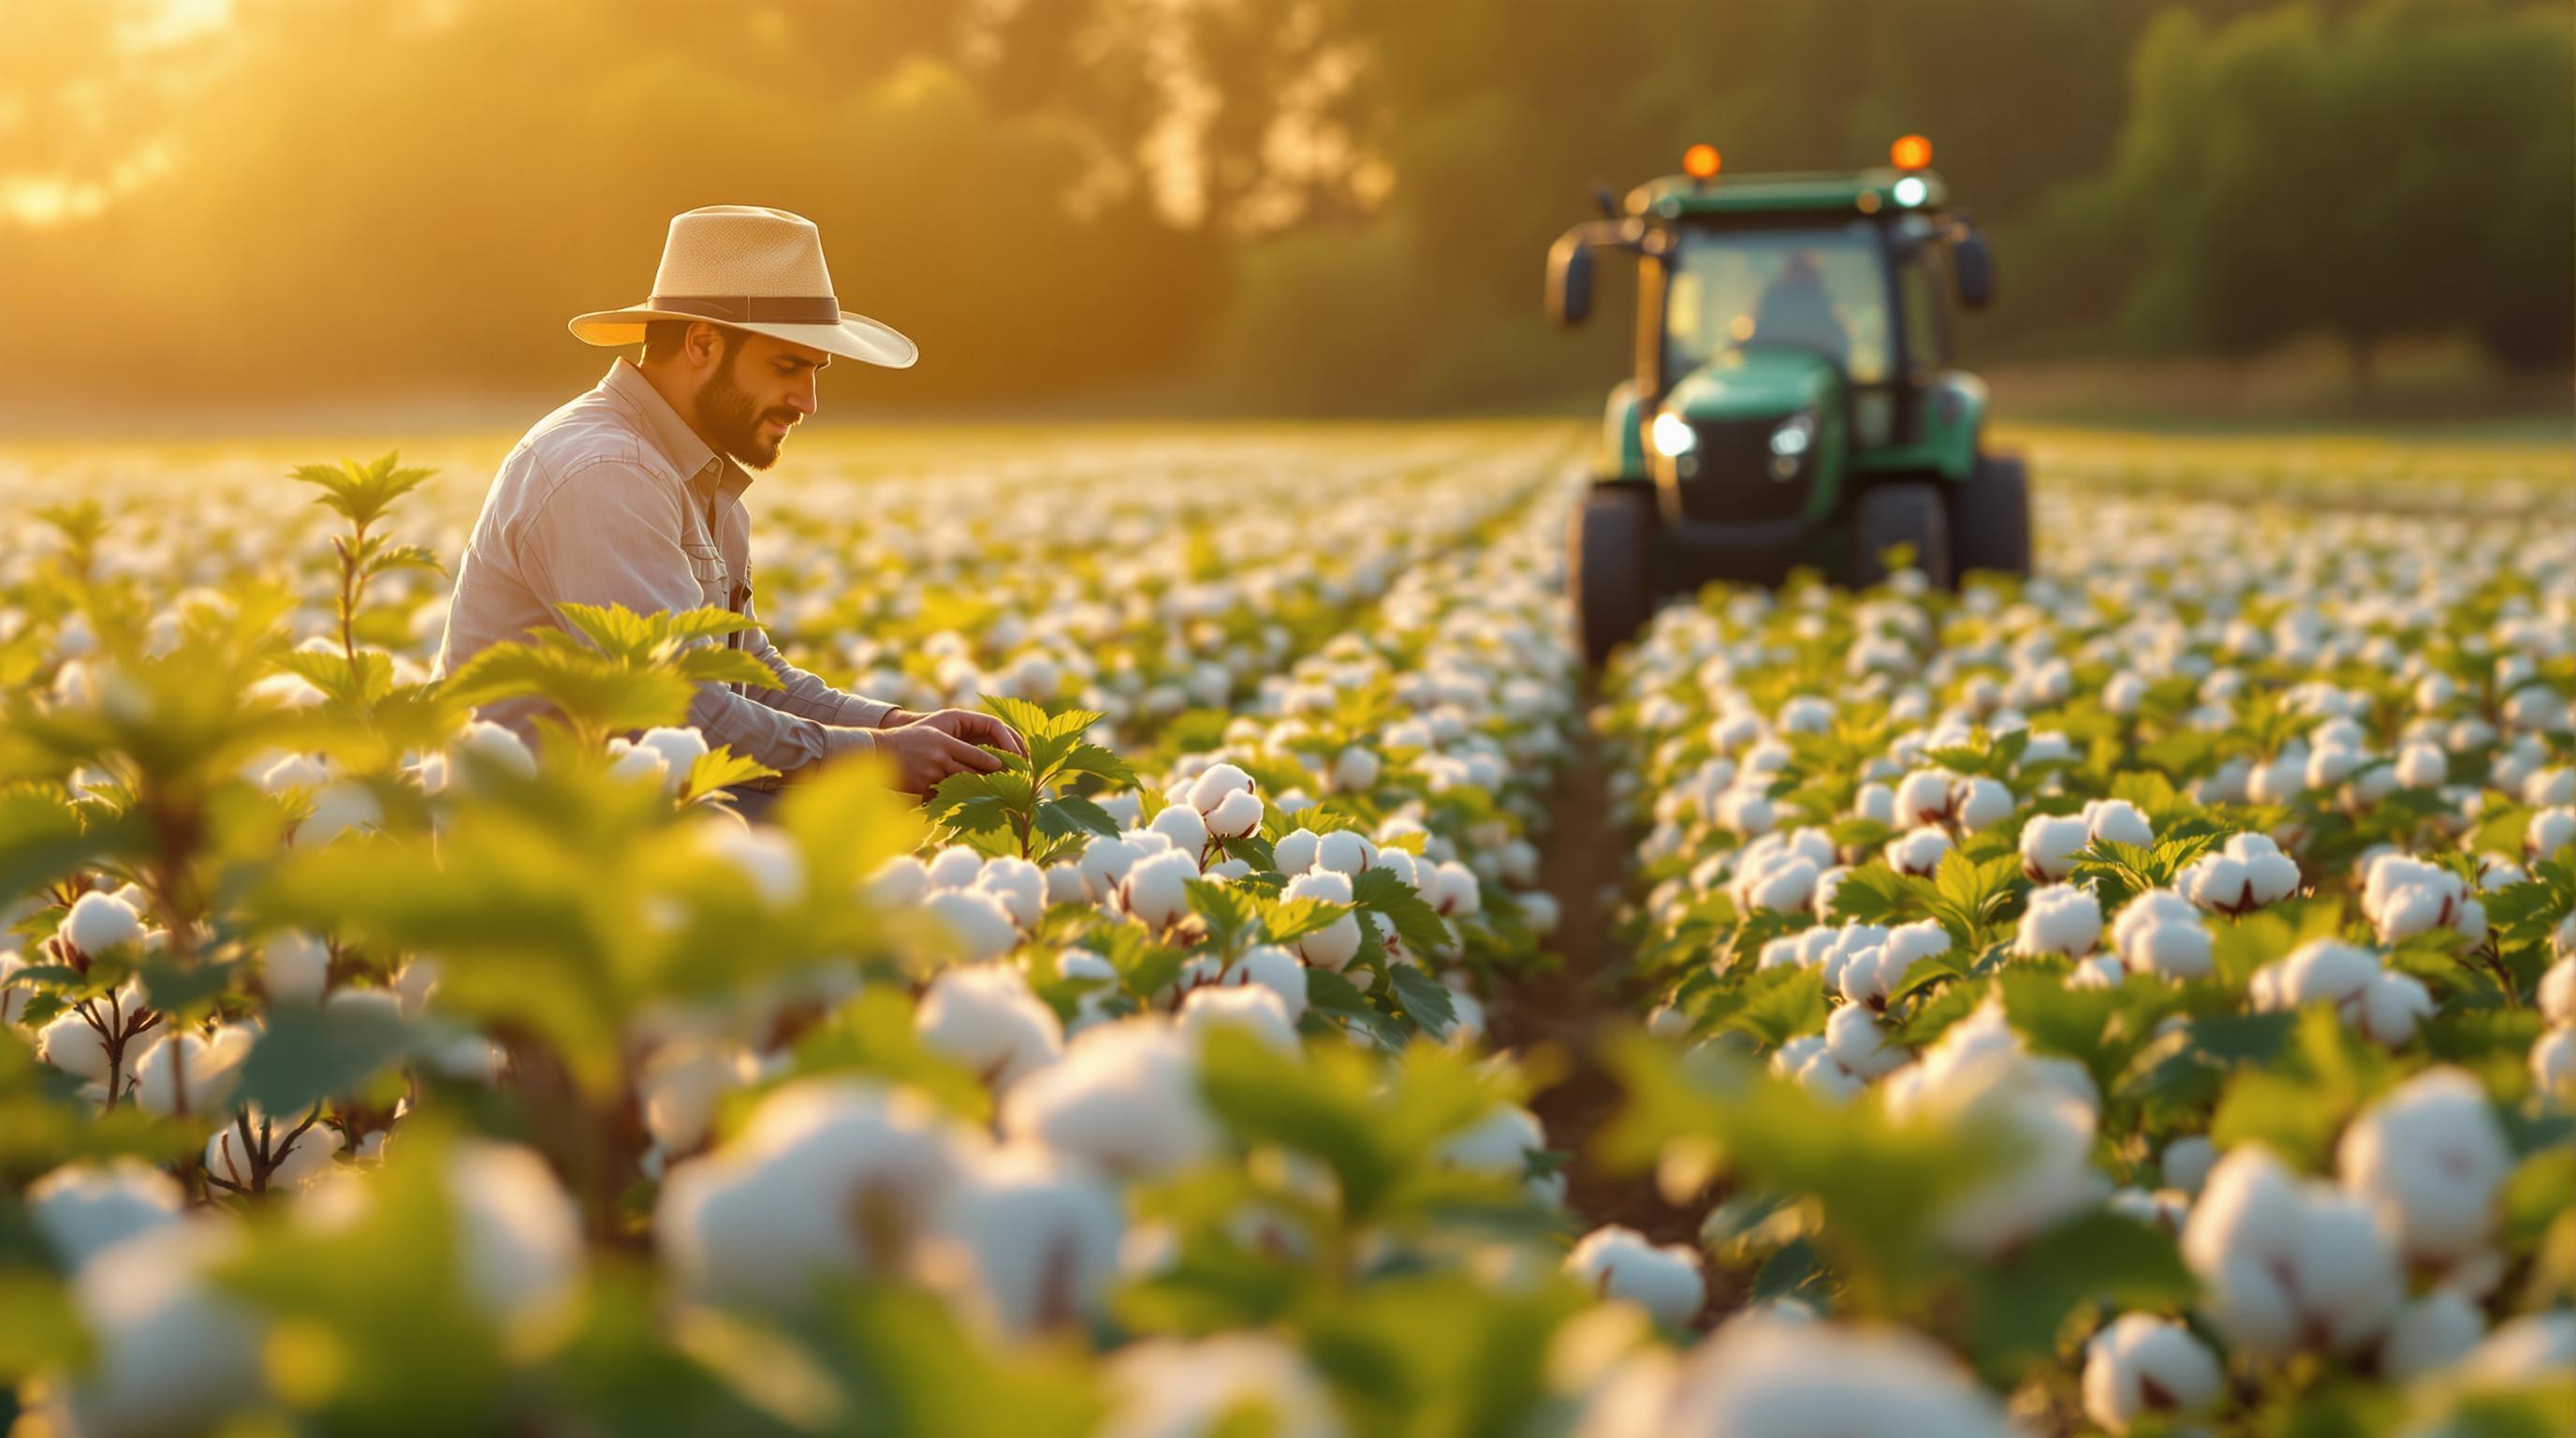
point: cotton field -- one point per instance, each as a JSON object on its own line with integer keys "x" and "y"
{"x": 2142, "y": 1001}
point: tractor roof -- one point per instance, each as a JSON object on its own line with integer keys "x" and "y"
{"x": 1866, "y": 191}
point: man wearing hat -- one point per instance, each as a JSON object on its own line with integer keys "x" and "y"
{"x": 632, "y": 494}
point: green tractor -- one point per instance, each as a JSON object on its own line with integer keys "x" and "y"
{"x": 1794, "y": 403}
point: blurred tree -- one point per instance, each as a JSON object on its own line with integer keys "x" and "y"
{"x": 2404, "y": 168}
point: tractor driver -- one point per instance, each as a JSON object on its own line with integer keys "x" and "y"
{"x": 1795, "y": 312}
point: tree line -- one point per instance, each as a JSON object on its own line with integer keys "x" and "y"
{"x": 1268, "y": 204}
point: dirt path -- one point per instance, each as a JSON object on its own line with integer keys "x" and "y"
{"x": 1565, "y": 1009}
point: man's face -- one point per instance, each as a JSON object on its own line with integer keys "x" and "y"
{"x": 756, "y": 395}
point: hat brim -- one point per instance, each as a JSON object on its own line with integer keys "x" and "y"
{"x": 855, "y": 337}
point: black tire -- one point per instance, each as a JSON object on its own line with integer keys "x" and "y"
{"x": 1907, "y": 512}
{"x": 1990, "y": 518}
{"x": 1610, "y": 568}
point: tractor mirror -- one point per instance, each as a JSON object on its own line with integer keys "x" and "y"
{"x": 1569, "y": 279}
{"x": 1975, "y": 267}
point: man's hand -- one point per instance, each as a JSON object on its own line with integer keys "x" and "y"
{"x": 965, "y": 725}
{"x": 922, "y": 755}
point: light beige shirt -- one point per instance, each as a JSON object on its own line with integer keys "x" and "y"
{"x": 613, "y": 499}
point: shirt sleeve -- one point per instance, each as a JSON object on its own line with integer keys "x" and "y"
{"x": 609, "y": 533}
{"x": 802, "y": 693}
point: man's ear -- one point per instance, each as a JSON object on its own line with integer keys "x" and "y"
{"x": 704, "y": 344}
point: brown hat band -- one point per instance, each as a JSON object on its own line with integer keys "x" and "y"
{"x": 753, "y": 309}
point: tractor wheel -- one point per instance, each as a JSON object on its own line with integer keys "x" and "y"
{"x": 1990, "y": 517}
{"x": 1907, "y": 513}
{"x": 1610, "y": 567}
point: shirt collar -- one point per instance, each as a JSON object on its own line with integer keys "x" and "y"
{"x": 707, "y": 472}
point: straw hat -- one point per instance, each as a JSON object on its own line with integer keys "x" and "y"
{"x": 756, "y": 269}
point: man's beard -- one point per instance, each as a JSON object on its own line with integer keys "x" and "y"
{"x": 726, "y": 412}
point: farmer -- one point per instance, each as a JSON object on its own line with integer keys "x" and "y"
{"x": 632, "y": 494}
{"x": 1795, "y": 312}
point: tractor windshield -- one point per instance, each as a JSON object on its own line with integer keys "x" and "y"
{"x": 1823, "y": 290}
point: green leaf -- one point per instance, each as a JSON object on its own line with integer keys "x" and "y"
{"x": 1384, "y": 893}
{"x": 1229, "y": 912}
{"x": 307, "y": 1055}
{"x": 2021, "y": 1305}
{"x": 1075, "y": 815}
{"x": 1423, "y": 998}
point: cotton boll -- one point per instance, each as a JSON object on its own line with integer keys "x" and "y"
{"x": 1779, "y": 1377}
{"x": 1620, "y": 1264}
{"x": 2117, "y": 821}
{"x": 495, "y": 747}
{"x": 1456, "y": 893}
{"x": 1981, "y": 802}
{"x": 1295, "y": 851}
{"x": 2060, "y": 919}
{"x": 2286, "y": 1265}
{"x": 1215, "y": 784}
{"x": 85, "y": 1208}
{"x": 682, "y": 1083}
{"x": 2431, "y": 1159}
{"x": 1854, "y": 1040}
{"x": 1404, "y": 866}
{"x": 2141, "y": 1365}
{"x": 832, "y": 1176}
{"x": 192, "y": 1073}
{"x": 518, "y": 1236}
{"x": 1247, "y": 1007}
{"x": 1025, "y": 1241}
{"x": 295, "y": 966}
{"x": 767, "y": 857}
{"x": 1869, "y": 973}
{"x": 680, "y": 749}
{"x": 2553, "y": 1064}
{"x": 2164, "y": 1208}
{"x": 1104, "y": 862}
{"x": 1355, "y": 771}
{"x": 295, "y": 771}
{"x": 175, "y": 1351}
{"x": 1918, "y": 851}
{"x": 100, "y": 924}
{"x": 1235, "y": 816}
{"x": 954, "y": 867}
{"x": 2549, "y": 831}
{"x": 2187, "y": 1161}
{"x": 2392, "y": 1007}
{"x": 1064, "y": 884}
{"x": 295, "y": 1159}
{"x": 2429, "y": 1334}
{"x": 1539, "y": 910}
{"x": 976, "y": 920}
{"x": 1273, "y": 968}
{"x": 338, "y": 808}
{"x": 1336, "y": 943}
{"x": 1345, "y": 852}
{"x": 898, "y": 883}
{"x": 1183, "y": 826}
{"x": 985, "y": 1017}
{"x": 1019, "y": 885}
{"x": 2523, "y": 1351}
{"x": 2422, "y": 766}
{"x": 2557, "y": 992}
{"x": 1169, "y": 1388}
{"x": 1156, "y": 889}
{"x": 1124, "y": 1097}
{"x": 2049, "y": 845}
{"x": 1923, "y": 798}
{"x": 69, "y": 1043}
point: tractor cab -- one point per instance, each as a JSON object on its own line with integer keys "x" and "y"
{"x": 1794, "y": 400}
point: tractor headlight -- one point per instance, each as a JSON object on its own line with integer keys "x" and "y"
{"x": 1790, "y": 443}
{"x": 1673, "y": 437}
